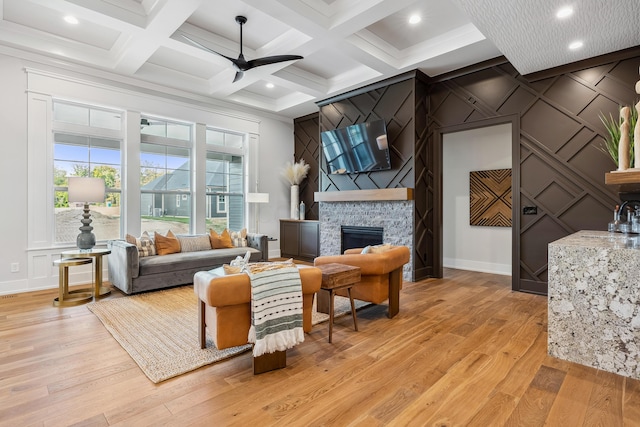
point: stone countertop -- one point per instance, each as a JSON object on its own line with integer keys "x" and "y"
{"x": 600, "y": 239}
{"x": 594, "y": 301}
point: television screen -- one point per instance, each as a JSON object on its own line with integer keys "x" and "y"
{"x": 357, "y": 148}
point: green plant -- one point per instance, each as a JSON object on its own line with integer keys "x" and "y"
{"x": 612, "y": 140}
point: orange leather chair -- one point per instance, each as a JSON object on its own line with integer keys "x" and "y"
{"x": 224, "y": 304}
{"x": 381, "y": 274}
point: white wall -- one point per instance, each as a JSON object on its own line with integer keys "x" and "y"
{"x": 486, "y": 249}
{"x": 276, "y": 148}
{"x": 13, "y": 174}
{"x": 26, "y": 226}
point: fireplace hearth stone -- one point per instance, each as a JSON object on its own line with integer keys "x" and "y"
{"x": 395, "y": 217}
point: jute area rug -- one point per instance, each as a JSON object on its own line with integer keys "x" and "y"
{"x": 159, "y": 330}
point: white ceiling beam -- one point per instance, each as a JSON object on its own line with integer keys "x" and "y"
{"x": 162, "y": 24}
{"x": 37, "y": 41}
{"x": 96, "y": 11}
{"x": 299, "y": 80}
{"x": 360, "y": 15}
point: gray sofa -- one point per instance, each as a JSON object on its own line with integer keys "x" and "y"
{"x": 132, "y": 274}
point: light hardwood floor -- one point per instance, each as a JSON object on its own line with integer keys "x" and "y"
{"x": 464, "y": 350}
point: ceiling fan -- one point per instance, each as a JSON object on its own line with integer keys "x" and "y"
{"x": 241, "y": 64}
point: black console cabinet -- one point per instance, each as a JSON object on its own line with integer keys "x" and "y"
{"x": 299, "y": 239}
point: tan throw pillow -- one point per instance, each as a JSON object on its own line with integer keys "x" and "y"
{"x": 239, "y": 238}
{"x": 220, "y": 241}
{"x": 166, "y": 245}
{"x": 194, "y": 243}
{"x": 144, "y": 243}
{"x": 380, "y": 248}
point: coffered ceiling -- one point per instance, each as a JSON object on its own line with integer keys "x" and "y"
{"x": 345, "y": 43}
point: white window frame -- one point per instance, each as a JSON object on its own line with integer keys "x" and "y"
{"x": 175, "y": 143}
{"x": 227, "y": 150}
{"x": 88, "y": 131}
{"x": 221, "y": 200}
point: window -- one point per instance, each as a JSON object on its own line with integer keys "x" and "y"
{"x": 224, "y": 180}
{"x": 225, "y": 139}
{"x": 87, "y": 142}
{"x": 165, "y": 177}
{"x": 222, "y": 204}
{"x": 165, "y": 129}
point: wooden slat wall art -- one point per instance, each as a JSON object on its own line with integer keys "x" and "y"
{"x": 490, "y": 198}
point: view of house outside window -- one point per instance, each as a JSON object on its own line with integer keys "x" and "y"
{"x": 225, "y": 199}
{"x": 165, "y": 188}
{"x": 87, "y": 143}
{"x": 89, "y": 140}
{"x": 225, "y": 180}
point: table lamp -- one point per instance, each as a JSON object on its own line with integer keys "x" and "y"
{"x": 86, "y": 190}
{"x": 257, "y": 198}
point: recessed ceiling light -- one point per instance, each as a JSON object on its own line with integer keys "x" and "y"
{"x": 71, "y": 19}
{"x": 575, "y": 45}
{"x": 414, "y": 19}
{"x": 564, "y": 12}
{"x": 270, "y": 85}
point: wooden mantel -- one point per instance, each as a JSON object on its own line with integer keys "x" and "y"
{"x": 378, "y": 195}
{"x": 628, "y": 181}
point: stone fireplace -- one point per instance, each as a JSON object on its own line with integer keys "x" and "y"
{"x": 394, "y": 217}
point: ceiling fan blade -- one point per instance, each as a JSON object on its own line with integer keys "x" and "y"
{"x": 240, "y": 64}
{"x": 203, "y": 47}
{"x": 272, "y": 60}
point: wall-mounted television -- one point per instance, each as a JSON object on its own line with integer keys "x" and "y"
{"x": 357, "y": 148}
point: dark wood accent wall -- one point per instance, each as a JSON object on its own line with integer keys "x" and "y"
{"x": 395, "y": 104}
{"x": 561, "y": 168}
{"x": 558, "y": 166}
{"x": 402, "y": 103}
{"x": 427, "y": 221}
{"x": 307, "y": 147}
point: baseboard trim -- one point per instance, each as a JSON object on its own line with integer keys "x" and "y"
{"x": 482, "y": 267}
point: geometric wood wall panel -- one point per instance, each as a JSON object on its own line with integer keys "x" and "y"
{"x": 559, "y": 135}
{"x": 402, "y": 104}
{"x": 306, "y": 133}
{"x": 557, "y": 115}
{"x": 490, "y": 198}
{"x": 393, "y": 104}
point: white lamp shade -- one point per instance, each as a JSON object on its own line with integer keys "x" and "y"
{"x": 258, "y": 197}
{"x": 86, "y": 190}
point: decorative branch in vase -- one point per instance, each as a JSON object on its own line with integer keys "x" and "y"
{"x": 295, "y": 173}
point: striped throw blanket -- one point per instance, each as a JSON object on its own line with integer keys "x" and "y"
{"x": 276, "y": 307}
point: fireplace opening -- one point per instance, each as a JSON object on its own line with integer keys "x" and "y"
{"x": 359, "y": 237}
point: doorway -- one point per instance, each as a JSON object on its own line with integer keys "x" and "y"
{"x": 474, "y": 247}
{"x": 514, "y": 121}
